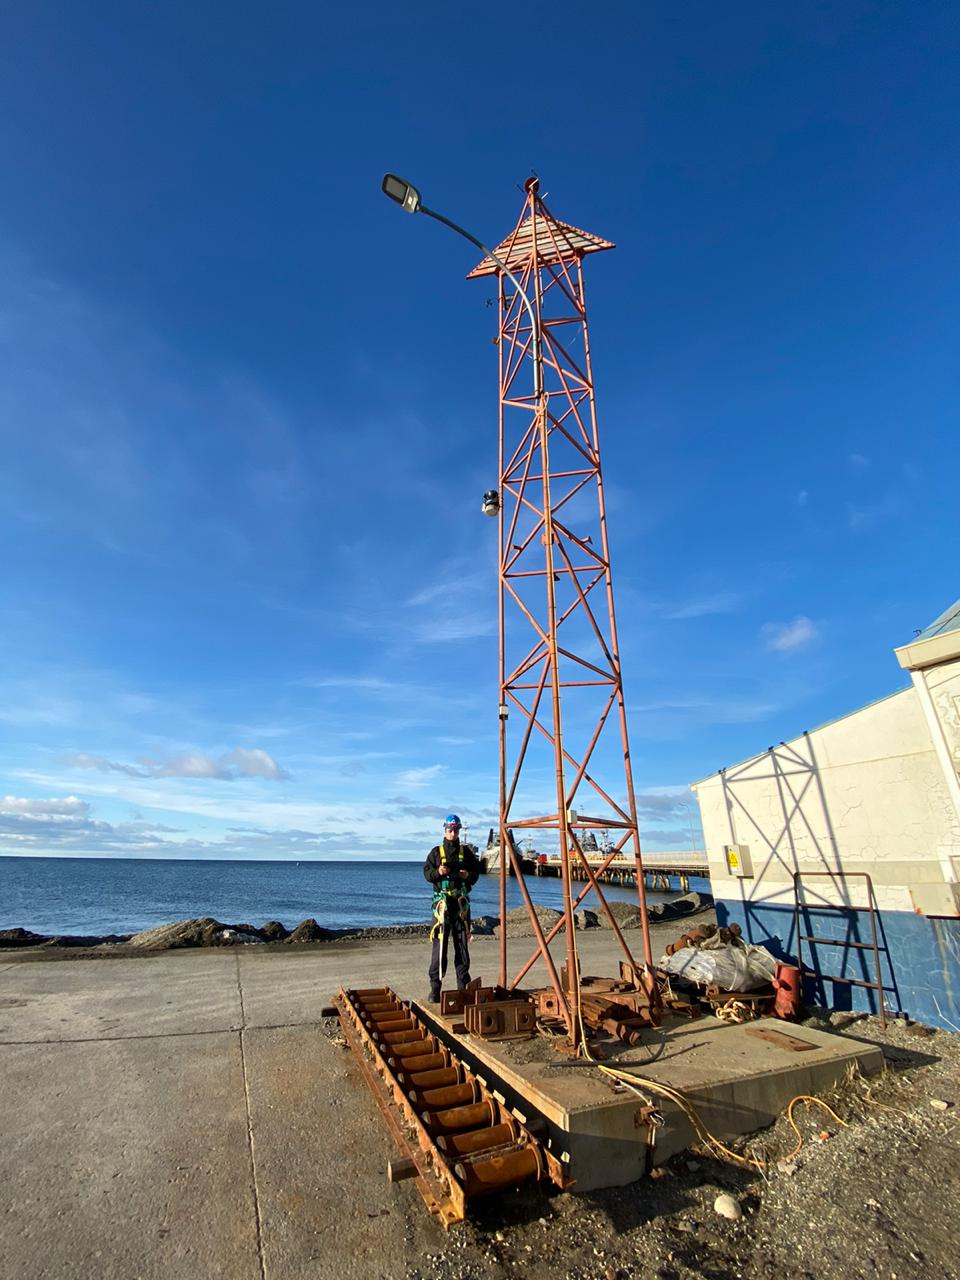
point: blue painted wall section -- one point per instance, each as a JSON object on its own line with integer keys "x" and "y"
{"x": 919, "y": 956}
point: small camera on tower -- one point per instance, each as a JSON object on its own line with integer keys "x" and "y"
{"x": 491, "y": 503}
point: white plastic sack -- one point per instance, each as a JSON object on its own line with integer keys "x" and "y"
{"x": 728, "y": 967}
{"x": 761, "y": 964}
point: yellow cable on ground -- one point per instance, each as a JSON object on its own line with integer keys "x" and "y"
{"x": 807, "y": 1097}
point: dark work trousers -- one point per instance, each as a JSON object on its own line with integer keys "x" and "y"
{"x": 455, "y": 928}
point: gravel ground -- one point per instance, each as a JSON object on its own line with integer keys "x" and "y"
{"x": 878, "y": 1198}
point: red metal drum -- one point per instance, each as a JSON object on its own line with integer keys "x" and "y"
{"x": 786, "y": 983}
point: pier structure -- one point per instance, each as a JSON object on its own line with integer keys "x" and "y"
{"x": 660, "y": 870}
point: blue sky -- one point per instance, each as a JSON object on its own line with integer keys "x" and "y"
{"x": 247, "y": 407}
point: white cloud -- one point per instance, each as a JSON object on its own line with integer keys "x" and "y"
{"x": 55, "y": 807}
{"x": 699, "y": 600}
{"x": 707, "y": 710}
{"x": 404, "y": 805}
{"x": 788, "y": 637}
{"x": 212, "y": 804}
{"x": 63, "y": 826}
{"x": 416, "y": 778}
{"x": 664, "y": 802}
{"x": 190, "y": 764}
{"x": 858, "y": 462}
{"x": 460, "y": 604}
{"x": 84, "y": 761}
{"x": 347, "y": 682}
{"x": 242, "y": 762}
{"x": 704, "y": 606}
{"x": 802, "y": 498}
{"x": 253, "y": 763}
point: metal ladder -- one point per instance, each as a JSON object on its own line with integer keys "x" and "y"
{"x": 799, "y": 905}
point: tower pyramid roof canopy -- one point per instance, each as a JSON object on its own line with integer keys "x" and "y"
{"x": 556, "y": 241}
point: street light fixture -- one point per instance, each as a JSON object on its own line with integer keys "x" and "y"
{"x": 406, "y": 195}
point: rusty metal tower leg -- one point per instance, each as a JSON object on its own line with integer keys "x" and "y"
{"x": 502, "y": 712}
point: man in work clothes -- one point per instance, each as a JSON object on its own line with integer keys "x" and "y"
{"x": 452, "y": 869}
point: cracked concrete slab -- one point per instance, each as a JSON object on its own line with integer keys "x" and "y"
{"x": 125, "y": 1148}
{"x": 83, "y": 1000}
{"x": 126, "y": 1158}
{"x": 280, "y": 990}
{"x": 321, "y": 1151}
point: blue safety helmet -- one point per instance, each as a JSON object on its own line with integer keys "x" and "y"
{"x": 451, "y": 820}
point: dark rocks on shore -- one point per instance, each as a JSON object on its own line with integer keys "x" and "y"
{"x": 21, "y": 938}
{"x": 686, "y": 905}
{"x": 627, "y": 914}
{"x": 519, "y": 924}
{"x": 375, "y": 932}
{"x": 26, "y": 938}
{"x": 204, "y": 931}
{"x": 309, "y": 931}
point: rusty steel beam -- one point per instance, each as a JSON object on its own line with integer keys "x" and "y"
{"x": 456, "y": 1139}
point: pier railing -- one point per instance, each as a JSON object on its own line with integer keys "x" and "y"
{"x": 659, "y": 868}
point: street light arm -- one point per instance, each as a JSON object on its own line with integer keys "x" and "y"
{"x": 488, "y": 253}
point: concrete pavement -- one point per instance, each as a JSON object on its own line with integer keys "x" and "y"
{"x": 184, "y": 1115}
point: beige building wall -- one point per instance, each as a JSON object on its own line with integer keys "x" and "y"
{"x": 863, "y": 793}
{"x": 943, "y": 681}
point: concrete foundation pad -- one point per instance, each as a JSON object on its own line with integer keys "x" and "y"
{"x": 737, "y": 1080}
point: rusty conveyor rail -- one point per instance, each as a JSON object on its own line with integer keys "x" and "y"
{"x": 460, "y": 1140}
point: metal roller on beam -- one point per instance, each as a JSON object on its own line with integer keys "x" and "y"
{"x": 459, "y": 1139}
{"x": 454, "y": 1095}
{"x": 477, "y": 1115}
{"x": 486, "y": 1174}
{"x": 439, "y": 1079}
{"x": 465, "y": 1144}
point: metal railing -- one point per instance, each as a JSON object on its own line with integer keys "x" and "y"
{"x": 799, "y": 904}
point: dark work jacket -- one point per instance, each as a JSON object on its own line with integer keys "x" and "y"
{"x": 457, "y": 857}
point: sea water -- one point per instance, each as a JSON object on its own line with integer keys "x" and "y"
{"x": 124, "y": 895}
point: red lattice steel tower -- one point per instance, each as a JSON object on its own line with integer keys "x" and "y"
{"x": 564, "y": 752}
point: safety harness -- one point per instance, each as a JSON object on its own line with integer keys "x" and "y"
{"x": 451, "y": 896}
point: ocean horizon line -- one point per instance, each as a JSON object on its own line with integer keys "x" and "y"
{"x": 356, "y": 857}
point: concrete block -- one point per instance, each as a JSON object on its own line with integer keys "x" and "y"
{"x": 736, "y": 1081}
